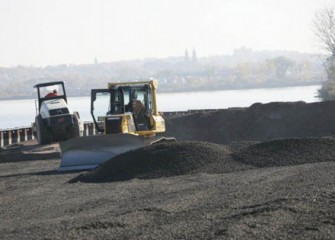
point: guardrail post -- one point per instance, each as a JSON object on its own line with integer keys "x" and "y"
{"x": 9, "y": 137}
{"x": 90, "y": 130}
{"x": 87, "y": 130}
{"x": 94, "y": 130}
{"x": 25, "y": 134}
{"x": 2, "y": 141}
{"x": 18, "y": 136}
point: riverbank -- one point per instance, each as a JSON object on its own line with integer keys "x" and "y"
{"x": 188, "y": 90}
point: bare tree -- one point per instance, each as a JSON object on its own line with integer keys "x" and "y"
{"x": 324, "y": 28}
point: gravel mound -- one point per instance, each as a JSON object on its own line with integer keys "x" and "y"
{"x": 288, "y": 152}
{"x": 165, "y": 160}
{"x": 180, "y": 158}
{"x": 28, "y": 151}
{"x": 291, "y": 131}
{"x": 259, "y": 122}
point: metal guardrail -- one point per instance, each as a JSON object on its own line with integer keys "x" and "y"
{"x": 18, "y": 135}
{"x": 89, "y": 129}
{"x": 15, "y": 135}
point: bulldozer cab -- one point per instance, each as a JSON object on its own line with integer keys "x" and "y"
{"x": 50, "y": 90}
{"x": 124, "y": 108}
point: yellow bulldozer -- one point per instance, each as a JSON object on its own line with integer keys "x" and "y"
{"x": 125, "y": 116}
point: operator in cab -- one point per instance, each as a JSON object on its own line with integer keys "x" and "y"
{"x": 52, "y": 94}
{"x": 135, "y": 105}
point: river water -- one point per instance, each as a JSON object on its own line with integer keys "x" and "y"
{"x": 21, "y": 113}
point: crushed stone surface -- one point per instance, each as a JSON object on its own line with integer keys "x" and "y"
{"x": 264, "y": 172}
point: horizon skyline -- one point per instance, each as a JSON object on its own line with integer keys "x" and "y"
{"x": 95, "y": 60}
{"x": 46, "y": 33}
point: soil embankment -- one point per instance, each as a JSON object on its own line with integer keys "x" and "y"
{"x": 272, "y": 179}
{"x": 259, "y": 122}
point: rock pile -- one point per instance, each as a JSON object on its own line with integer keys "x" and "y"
{"x": 173, "y": 159}
{"x": 259, "y": 122}
{"x": 158, "y": 160}
{"x": 292, "y": 133}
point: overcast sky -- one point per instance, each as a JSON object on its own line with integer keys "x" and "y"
{"x": 50, "y": 32}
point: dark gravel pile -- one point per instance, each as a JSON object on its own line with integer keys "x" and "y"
{"x": 288, "y": 152}
{"x": 173, "y": 159}
{"x": 241, "y": 128}
{"x": 164, "y": 160}
{"x": 275, "y": 180}
{"x": 27, "y": 152}
{"x": 259, "y": 122}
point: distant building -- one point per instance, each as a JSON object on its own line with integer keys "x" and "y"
{"x": 194, "y": 56}
{"x": 186, "y": 58}
{"x": 95, "y": 60}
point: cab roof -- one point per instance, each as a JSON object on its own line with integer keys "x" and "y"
{"x": 48, "y": 84}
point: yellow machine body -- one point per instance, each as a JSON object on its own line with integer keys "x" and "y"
{"x": 120, "y": 128}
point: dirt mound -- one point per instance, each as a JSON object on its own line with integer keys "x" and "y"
{"x": 288, "y": 152}
{"x": 259, "y": 122}
{"x": 164, "y": 160}
{"x": 28, "y": 151}
{"x": 180, "y": 158}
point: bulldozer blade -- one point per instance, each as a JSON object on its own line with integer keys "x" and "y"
{"x": 84, "y": 153}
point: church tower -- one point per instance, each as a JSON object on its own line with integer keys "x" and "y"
{"x": 194, "y": 56}
{"x": 186, "y": 58}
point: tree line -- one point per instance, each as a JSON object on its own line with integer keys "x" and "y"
{"x": 324, "y": 28}
{"x": 243, "y": 69}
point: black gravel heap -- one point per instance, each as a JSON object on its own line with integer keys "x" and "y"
{"x": 22, "y": 152}
{"x": 158, "y": 160}
{"x": 180, "y": 158}
{"x": 301, "y": 127}
{"x": 259, "y": 122}
{"x": 287, "y": 152}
